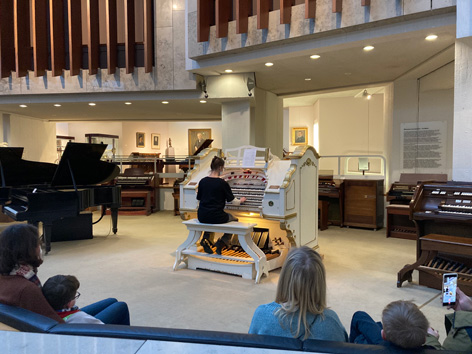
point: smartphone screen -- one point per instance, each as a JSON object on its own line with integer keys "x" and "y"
{"x": 449, "y": 289}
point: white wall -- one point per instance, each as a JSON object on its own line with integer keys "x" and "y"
{"x": 177, "y": 131}
{"x": 37, "y": 136}
{"x": 301, "y": 117}
{"x": 429, "y": 99}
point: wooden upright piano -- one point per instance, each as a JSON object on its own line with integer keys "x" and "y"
{"x": 442, "y": 214}
{"x": 399, "y": 196}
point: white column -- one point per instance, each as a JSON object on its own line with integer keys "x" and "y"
{"x": 235, "y": 124}
{"x": 462, "y": 141}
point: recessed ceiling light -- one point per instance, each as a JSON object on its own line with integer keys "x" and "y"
{"x": 23, "y": 106}
{"x": 128, "y": 103}
{"x": 314, "y": 56}
{"x": 308, "y": 79}
{"x": 228, "y": 71}
{"x": 203, "y": 101}
{"x": 92, "y": 104}
{"x": 431, "y": 37}
{"x": 174, "y": 7}
{"x": 165, "y": 102}
{"x": 269, "y": 64}
{"x": 368, "y": 48}
{"x": 57, "y": 105}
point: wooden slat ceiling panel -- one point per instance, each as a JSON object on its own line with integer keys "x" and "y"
{"x": 7, "y": 39}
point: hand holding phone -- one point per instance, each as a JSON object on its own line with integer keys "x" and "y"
{"x": 449, "y": 289}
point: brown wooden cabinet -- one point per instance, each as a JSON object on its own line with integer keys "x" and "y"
{"x": 364, "y": 203}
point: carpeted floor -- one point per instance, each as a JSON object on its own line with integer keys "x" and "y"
{"x": 135, "y": 266}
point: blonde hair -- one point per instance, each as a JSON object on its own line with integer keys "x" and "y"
{"x": 404, "y": 324}
{"x": 302, "y": 288}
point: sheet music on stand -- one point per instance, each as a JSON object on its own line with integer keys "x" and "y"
{"x": 249, "y": 157}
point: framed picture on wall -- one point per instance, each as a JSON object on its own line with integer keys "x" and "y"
{"x": 196, "y": 137}
{"x": 155, "y": 141}
{"x": 140, "y": 139}
{"x": 299, "y": 136}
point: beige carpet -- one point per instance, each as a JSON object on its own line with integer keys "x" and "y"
{"x": 136, "y": 266}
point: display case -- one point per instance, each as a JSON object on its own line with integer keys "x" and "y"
{"x": 110, "y": 140}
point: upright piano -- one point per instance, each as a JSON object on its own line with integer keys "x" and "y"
{"x": 280, "y": 195}
{"x": 399, "y": 196}
{"x": 44, "y": 192}
{"x": 442, "y": 214}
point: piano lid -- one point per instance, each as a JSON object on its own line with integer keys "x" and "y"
{"x": 84, "y": 162}
{"x": 204, "y": 145}
{"x": 19, "y": 172}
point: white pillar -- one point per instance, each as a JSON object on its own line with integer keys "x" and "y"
{"x": 235, "y": 124}
{"x": 462, "y": 141}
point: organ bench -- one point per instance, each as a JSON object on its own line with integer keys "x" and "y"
{"x": 251, "y": 267}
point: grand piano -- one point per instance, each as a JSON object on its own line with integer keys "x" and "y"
{"x": 45, "y": 192}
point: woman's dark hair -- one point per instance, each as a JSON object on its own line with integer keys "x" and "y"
{"x": 59, "y": 290}
{"x": 217, "y": 163}
{"x": 18, "y": 245}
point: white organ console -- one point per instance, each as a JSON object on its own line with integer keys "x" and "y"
{"x": 282, "y": 199}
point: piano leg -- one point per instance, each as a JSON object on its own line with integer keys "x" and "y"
{"x": 114, "y": 218}
{"x": 47, "y": 232}
{"x": 406, "y": 272}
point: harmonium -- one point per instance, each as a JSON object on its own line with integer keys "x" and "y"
{"x": 399, "y": 196}
{"x": 442, "y": 214}
{"x": 280, "y": 195}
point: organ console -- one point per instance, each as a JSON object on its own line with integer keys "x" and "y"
{"x": 280, "y": 195}
{"x": 139, "y": 192}
{"x": 442, "y": 214}
{"x": 44, "y": 192}
{"x": 398, "y": 222}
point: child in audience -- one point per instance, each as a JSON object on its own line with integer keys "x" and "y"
{"x": 61, "y": 293}
{"x": 300, "y": 309}
{"x": 403, "y": 325}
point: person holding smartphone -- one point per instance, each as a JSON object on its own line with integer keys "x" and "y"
{"x": 458, "y": 326}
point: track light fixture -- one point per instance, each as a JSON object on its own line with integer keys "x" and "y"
{"x": 203, "y": 86}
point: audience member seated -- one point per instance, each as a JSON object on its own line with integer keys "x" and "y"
{"x": 458, "y": 326}
{"x": 403, "y": 325}
{"x": 61, "y": 293}
{"x": 300, "y": 309}
{"x": 20, "y": 257}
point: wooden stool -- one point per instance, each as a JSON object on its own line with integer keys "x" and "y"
{"x": 246, "y": 267}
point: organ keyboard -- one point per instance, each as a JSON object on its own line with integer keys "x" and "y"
{"x": 442, "y": 214}
{"x": 274, "y": 190}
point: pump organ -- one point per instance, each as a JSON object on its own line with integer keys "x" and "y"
{"x": 282, "y": 198}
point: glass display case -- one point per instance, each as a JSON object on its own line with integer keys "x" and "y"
{"x": 110, "y": 140}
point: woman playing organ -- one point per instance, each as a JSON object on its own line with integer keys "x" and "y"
{"x": 213, "y": 193}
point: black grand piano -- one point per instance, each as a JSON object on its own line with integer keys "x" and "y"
{"x": 45, "y": 192}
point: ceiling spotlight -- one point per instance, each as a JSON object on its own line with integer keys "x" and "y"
{"x": 92, "y": 104}
{"x": 203, "y": 101}
{"x": 431, "y": 37}
{"x": 57, "y": 105}
{"x": 165, "y": 102}
{"x": 368, "y": 48}
{"x": 314, "y": 56}
{"x": 269, "y": 64}
{"x": 174, "y": 7}
{"x": 23, "y": 106}
{"x": 228, "y": 71}
{"x": 128, "y": 103}
{"x": 308, "y": 79}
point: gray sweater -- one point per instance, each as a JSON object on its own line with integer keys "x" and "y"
{"x": 326, "y": 327}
